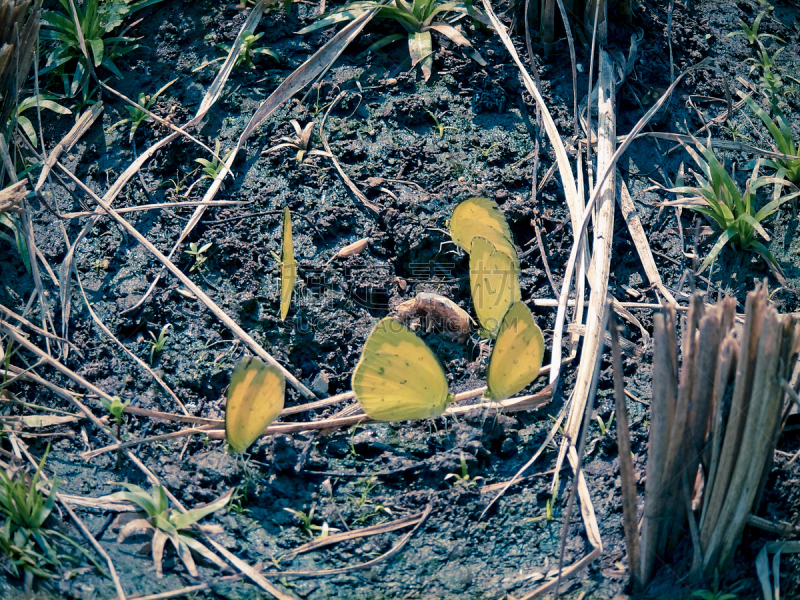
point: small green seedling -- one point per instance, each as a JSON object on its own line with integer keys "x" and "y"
{"x": 199, "y": 255}
{"x": 307, "y": 525}
{"x": 440, "y": 129}
{"x": 99, "y": 264}
{"x": 375, "y": 509}
{"x": 44, "y": 101}
{"x": 770, "y": 80}
{"x": 249, "y": 51}
{"x": 715, "y": 593}
{"x": 751, "y": 33}
{"x": 235, "y": 505}
{"x": 418, "y": 19}
{"x": 157, "y": 343}
{"x": 463, "y": 478}
{"x": 137, "y": 113}
{"x": 31, "y": 548}
{"x": 733, "y": 130}
{"x": 173, "y": 526}
{"x": 550, "y": 504}
{"x": 177, "y": 185}
{"x": 96, "y": 20}
{"x": 212, "y": 168}
{"x": 370, "y": 483}
{"x": 604, "y": 427}
{"x": 12, "y": 222}
{"x": 116, "y": 408}
{"x": 735, "y": 213}
{"x": 299, "y": 143}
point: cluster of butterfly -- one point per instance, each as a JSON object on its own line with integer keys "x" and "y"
{"x": 398, "y": 377}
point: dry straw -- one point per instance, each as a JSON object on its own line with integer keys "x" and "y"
{"x": 19, "y": 29}
{"x": 713, "y": 429}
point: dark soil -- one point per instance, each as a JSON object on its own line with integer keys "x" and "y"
{"x": 386, "y": 139}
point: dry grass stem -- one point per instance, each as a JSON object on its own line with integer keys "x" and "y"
{"x": 355, "y": 534}
{"x": 639, "y": 238}
{"x": 601, "y": 258}
{"x": 193, "y": 288}
{"x": 626, "y": 469}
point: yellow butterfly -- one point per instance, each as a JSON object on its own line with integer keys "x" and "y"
{"x": 494, "y": 283}
{"x": 517, "y": 354}
{"x": 398, "y": 378}
{"x": 481, "y": 217}
{"x": 255, "y": 399}
{"x": 288, "y": 265}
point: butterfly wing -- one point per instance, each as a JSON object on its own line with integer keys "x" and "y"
{"x": 494, "y": 283}
{"x": 517, "y": 354}
{"x": 288, "y": 265}
{"x": 255, "y": 399}
{"x": 481, "y": 217}
{"x": 397, "y": 377}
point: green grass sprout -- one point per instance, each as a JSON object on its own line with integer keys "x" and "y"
{"x": 782, "y": 136}
{"x": 751, "y": 33}
{"x": 137, "y": 113}
{"x": 733, "y": 212}
{"x": 157, "y": 343}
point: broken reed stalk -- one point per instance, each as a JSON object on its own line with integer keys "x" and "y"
{"x": 19, "y": 30}
{"x": 626, "y": 470}
{"x": 713, "y": 427}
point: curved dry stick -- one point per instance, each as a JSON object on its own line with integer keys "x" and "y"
{"x": 205, "y": 586}
{"x": 371, "y": 563}
{"x": 213, "y": 428}
{"x": 157, "y": 206}
{"x": 565, "y": 170}
{"x": 39, "y": 330}
{"x": 354, "y": 535}
{"x": 163, "y": 122}
{"x": 345, "y": 178}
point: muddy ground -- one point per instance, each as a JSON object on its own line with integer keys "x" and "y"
{"x": 384, "y": 135}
